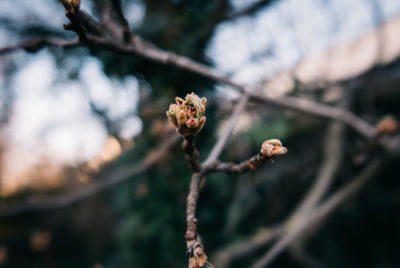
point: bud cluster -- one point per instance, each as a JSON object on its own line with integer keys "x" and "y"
{"x": 188, "y": 115}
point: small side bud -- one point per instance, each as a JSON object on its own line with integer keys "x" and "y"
{"x": 187, "y": 115}
{"x": 272, "y": 147}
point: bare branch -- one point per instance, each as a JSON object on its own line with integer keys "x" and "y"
{"x": 251, "y": 164}
{"x": 269, "y": 148}
{"x": 37, "y": 43}
{"x": 319, "y": 110}
{"x": 248, "y": 11}
{"x": 332, "y": 156}
{"x": 195, "y": 249}
{"x": 191, "y": 153}
{"x": 117, "y": 5}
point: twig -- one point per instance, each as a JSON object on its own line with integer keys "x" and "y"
{"x": 251, "y": 164}
{"x": 55, "y": 202}
{"x": 191, "y": 153}
{"x": 195, "y": 249}
{"x": 250, "y": 10}
{"x": 37, "y": 43}
{"x": 322, "y": 211}
{"x": 126, "y": 32}
{"x": 319, "y": 110}
{"x": 332, "y": 156}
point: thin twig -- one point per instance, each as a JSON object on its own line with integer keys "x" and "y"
{"x": 191, "y": 153}
{"x": 319, "y": 110}
{"x": 37, "y": 43}
{"x": 332, "y": 156}
{"x": 251, "y": 164}
{"x": 195, "y": 249}
{"x": 126, "y": 32}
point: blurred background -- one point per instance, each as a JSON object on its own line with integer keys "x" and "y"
{"x": 80, "y": 129}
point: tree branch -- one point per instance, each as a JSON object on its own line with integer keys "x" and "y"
{"x": 250, "y": 10}
{"x": 117, "y": 6}
{"x": 195, "y": 249}
{"x": 191, "y": 153}
{"x": 319, "y": 110}
{"x": 332, "y": 154}
{"x": 37, "y": 43}
{"x": 251, "y": 164}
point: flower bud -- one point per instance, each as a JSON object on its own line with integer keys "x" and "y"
{"x": 272, "y": 147}
{"x": 188, "y": 115}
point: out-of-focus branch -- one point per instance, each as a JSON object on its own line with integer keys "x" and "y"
{"x": 250, "y": 10}
{"x": 103, "y": 182}
{"x": 332, "y": 154}
{"x": 117, "y": 5}
{"x": 219, "y": 145}
{"x": 296, "y": 227}
{"x": 37, "y": 43}
{"x": 319, "y": 110}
